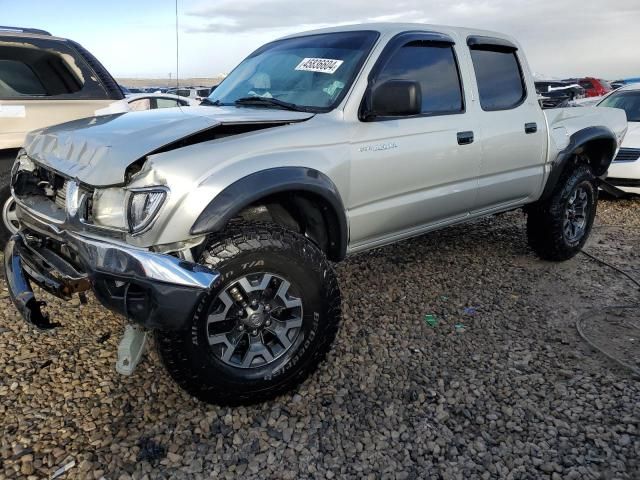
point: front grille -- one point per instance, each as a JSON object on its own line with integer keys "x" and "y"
{"x": 627, "y": 155}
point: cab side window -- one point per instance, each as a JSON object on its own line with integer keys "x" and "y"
{"x": 434, "y": 66}
{"x": 499, "y": 76}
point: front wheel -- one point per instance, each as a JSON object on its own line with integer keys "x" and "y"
{"x": 265, "y": 326}
{"x": 558, "y": 227}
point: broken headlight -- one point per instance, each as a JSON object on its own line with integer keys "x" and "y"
{"x": 108, "y": 208}
{"x": 144, "y": 205}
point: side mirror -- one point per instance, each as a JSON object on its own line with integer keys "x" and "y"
{"x": 394, "y": 98}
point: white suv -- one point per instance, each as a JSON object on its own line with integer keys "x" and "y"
{"x": 624, "y": 172}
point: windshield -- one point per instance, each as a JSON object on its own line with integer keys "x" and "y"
{"x": 628, "y": 101}
{"x": 310, "y": 73}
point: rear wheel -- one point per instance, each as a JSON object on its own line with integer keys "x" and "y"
{"x": 265, "y": 326}
{"x": 558, "y": 228}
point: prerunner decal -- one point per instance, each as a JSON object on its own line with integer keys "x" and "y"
{"x": 322, "y": 65}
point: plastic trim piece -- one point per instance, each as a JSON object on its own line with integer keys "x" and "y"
{"x": 252, "y": 188}
{"x": 490, "y": 43}
{"x": 576, "y": 141}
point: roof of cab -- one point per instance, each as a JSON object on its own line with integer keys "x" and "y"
{"x": 393, "y": 28}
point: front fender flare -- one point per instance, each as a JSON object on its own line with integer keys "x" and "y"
{"x": 248, "y": 190}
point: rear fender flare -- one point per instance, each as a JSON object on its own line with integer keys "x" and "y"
{"x": 578, "y": 143}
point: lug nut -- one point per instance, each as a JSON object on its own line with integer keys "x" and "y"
{"x": 235, "y": 293}
{"x": 241, "y": 328}
{"x": 267, "y": 307}
{"x": 254, "y": 332}
{"x": 254, "y": 302}
{"x": 267, "y": 323}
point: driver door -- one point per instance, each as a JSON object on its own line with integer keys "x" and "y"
{"x": 413, "y": 173}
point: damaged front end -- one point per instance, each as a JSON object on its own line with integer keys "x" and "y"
{"x": 58, "y": 250}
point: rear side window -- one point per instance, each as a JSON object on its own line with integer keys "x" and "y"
{"x": 18, "y": 79}
{"x": 39, "y": 74}
{"x": 499, "y": 77}
{"x": 586, "y": 84}
{"x": 204, "y": 92}
{"x": 435, "y": 67}
{"x": 183, "y": 93}
{"x": 36, "y": 68}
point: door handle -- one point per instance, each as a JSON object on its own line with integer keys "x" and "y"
{"x": 465, "y": 138}
{"x": 530, "y": 127}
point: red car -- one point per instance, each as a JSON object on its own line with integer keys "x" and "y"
{"x": 595, "y": 87}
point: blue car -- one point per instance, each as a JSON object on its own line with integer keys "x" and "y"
{"x": 625, "y": 81}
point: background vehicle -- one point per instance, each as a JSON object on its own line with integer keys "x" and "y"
{"x": 151, "y": 101}
{"x": 316, "y": 146}
{"x": 627, "y": 81}
{"x": 45, "y": 80}
{"x": 558, "y": 93}
{"x": 194, "y": 93}
{"x": 624, "y": 172}
{"x": 594, "y": 87}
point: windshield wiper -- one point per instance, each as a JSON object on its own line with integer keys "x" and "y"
{"x": 214, "y": 103}
{"x": 268, "y": 101}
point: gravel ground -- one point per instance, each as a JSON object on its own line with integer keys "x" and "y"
{"x": 503, "y": 389}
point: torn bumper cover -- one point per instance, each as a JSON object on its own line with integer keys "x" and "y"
{"x": 152, "y": 289}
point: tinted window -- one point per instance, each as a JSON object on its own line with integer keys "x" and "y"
{"x": 499, "y": 78}
{"x": 183, "y": 93}
{"x": 18, "y": 79}
{"x": 586, "y": 84}
{"x": 629, "y": 101}
{"x": 204, "y": 92}
{"x": 46, "y": 68}
{"x": 435, "y": 67}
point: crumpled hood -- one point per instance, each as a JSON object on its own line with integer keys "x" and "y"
{"x": 98, "y": 150}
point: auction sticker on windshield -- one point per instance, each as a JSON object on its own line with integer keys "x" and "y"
{"x": 322, "y": 65}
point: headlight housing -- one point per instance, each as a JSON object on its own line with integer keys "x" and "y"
{"x": 144, "y": 205}
{"x": 108, "y": 208}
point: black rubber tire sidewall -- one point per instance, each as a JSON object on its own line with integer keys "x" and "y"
{"x": 545, "y": 219}
{"x": 192, "y": 363}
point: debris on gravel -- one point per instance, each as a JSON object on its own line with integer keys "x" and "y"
{"x": 501, "y": 386}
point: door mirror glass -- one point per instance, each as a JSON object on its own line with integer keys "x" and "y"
{"x": 395, "y": 98}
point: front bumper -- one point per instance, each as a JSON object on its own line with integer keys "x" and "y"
{"x": 152, "y": 289}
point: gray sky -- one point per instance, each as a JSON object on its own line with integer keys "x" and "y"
{"x": 560, "y": 37}
{"x": 137, "y": 38}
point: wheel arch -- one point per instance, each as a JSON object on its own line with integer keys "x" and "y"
{"x": 595, "y": 146}
{"x": 305, "y": 195}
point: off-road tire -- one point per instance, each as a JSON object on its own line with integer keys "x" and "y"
{"x": 245, "y": 249}
{"x": 545, "y": 219}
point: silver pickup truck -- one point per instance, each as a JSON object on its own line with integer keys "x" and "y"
{"x": 215, "y": 226}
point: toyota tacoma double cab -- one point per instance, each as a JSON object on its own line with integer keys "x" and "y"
{"x": 215, "y": 227}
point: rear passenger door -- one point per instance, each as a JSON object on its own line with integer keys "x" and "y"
{"x": 512, "y": 125}
{"x": 409, "y": 172}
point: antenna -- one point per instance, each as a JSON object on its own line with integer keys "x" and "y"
{"x": 177, "y": 50}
